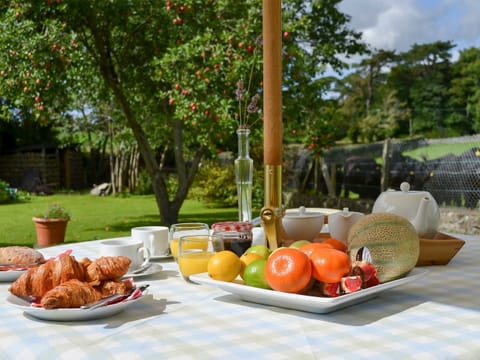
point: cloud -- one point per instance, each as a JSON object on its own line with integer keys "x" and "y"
{"x": 397, "y": 25}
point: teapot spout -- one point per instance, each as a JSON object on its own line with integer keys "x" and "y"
{"x": 421, "y": 219}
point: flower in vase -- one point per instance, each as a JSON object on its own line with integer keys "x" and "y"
{"x": 247, "y": 105}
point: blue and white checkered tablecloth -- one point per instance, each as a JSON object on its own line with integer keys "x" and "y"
{"x": 436, "y": 317}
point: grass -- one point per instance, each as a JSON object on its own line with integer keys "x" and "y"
{"x": 96, "y": 217}
{"x": 434, "y": 151}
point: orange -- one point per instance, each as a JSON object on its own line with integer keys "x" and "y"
{"x": 308, "y": 249}
{"x": 246, "y": 259}
{"x": 330, "y": 265}
{"x": 224, "y": 266}
{"x": 337, "y": 244}
{"x": 288, "y": 270}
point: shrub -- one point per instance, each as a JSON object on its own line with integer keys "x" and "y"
{"x": 215, "y": 185}
{"x": 144, "y": 184}
{"x": 7, "y": 194}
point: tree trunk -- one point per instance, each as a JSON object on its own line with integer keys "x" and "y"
{"x": 169, "y": 210}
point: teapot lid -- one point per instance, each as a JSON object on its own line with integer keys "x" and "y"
{"x": 405, "y": 191}
{"x": 404, "y": 187}
{"x": 303, "y": 213}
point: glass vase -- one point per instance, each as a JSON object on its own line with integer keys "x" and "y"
{"x": 244, "y": 176}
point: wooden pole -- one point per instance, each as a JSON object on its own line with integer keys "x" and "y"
{"x": 272, "y": 82}
{"x": 272, "y": 212}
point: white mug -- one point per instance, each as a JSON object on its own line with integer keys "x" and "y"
{"x": 134, "y": 250}
{"x": 154, "y": 238}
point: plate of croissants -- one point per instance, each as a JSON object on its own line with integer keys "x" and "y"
{"x": 64, "y": 289}
{"x": 15, "y": 260}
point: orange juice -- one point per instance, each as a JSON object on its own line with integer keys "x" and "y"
{"x": 187, "y": 245}
{"x": 194, "y": 263}
{"x": 174, "y": 247}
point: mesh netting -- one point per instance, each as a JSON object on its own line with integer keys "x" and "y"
{"x": 452, "y": 178}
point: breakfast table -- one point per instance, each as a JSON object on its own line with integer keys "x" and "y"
{"x": 437, "y": 316}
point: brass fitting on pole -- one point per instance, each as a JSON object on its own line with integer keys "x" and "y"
{"x": 272, "y": 213}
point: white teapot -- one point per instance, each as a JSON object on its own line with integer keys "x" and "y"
{"x": 419, "y": 207}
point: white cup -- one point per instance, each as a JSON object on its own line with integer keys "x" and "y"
{"x": 154, "y": 238}
{"x": 134, "y": 250}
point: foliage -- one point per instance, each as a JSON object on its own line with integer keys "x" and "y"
{"x": 54, "y": 211}
{"x": 144, "y": 184}
{"x": 5, "y": 193}
{"x": 215, "y": 185}
{"x": 415, "y": 93}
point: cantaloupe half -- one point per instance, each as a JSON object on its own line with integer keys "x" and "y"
{"x": 392, "y": 244}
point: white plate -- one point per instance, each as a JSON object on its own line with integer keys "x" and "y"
{"x": 307, "y": 303}
{"x": 153, "y": 269}
{"x": 10, "y": 275}
{"x": 75, "y": 314}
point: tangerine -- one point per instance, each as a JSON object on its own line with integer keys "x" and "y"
{"x": 308, "y": 249}
{"x": 337, "y": 244}
{"x": 330, "y": 265}
{"x": 288, "y": 270}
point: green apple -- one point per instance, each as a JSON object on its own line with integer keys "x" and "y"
{"x": 299, "y": 243}
{"x": 261, "y": 250}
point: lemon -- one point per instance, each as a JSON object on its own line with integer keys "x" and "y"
{"x": 261, "y": 250}
{"x": 254, "y": 274}
{"x": 224, "y": 266}
{"x": 246, "y": 259}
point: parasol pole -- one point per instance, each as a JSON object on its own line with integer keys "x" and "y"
{"x": 271, "y": 214}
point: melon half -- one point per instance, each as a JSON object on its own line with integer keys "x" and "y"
{"x": 388, "y": 241}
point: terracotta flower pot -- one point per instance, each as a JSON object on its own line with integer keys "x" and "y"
{"x": 50, "y": 231}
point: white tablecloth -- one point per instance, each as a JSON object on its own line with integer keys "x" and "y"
{"x": 436, "y": 317}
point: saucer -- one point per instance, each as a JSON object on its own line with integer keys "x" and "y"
{"x": 161, "y": 257}
{"x": 152, "y": 269}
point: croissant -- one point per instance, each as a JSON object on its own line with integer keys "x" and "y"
{"x": 111, "y": 287}
{"x": 107, "y": 268}
{"x": 85, "y": 262}
{"x": 38, "y": 280}
{"x": 70, "y": 294}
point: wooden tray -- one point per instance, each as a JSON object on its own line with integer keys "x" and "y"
{"x": 437, "y": 251}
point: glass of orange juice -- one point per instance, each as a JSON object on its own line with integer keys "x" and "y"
{"x": 194, "y": 251}
{"x": 184, "y": 229}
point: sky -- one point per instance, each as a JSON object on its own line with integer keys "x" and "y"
{"x": 398, "y": 24}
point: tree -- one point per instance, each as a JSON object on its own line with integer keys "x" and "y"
{"x": 422, "y": 78}
{"x": 465, "y": 92}
{"x": 171, "y": 70}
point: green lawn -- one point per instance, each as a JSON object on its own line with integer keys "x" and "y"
{"x": 96, "y": 217}
{"x": 434, "y": 151}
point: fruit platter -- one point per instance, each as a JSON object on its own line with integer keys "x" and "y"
{"x": 301, "y": 302}
{"x": 321, "y": 276}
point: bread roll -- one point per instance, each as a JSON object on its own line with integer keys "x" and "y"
{"x": 20, "y": 255}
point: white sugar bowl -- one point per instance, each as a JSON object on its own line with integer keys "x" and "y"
{"x": 302, "y": 224}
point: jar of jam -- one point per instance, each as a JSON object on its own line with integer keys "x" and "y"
{"x": 237, "y": 235}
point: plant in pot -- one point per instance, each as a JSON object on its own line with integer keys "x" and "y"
{"x": 51, "y": 225}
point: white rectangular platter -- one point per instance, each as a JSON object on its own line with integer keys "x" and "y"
{"x": 306, "y": 303}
